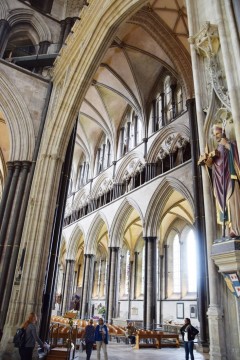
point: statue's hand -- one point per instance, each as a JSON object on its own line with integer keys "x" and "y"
{"x": 209, "y": 161}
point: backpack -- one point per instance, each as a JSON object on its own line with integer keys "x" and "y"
{"x": 19, "y": 338}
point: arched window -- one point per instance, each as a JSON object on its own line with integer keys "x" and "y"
{"x": 168, "y": 98}
{"x": 127, "y": 270}
{"x": 181, "y": 271}
{"x": 130, "y": 134}
{"x": 179, "y": 101}
{"x": 103, "y": 158}
{"x": 143, "y": 270}
{"x": 176, "y": 265}
{"x": 191, "y": 263}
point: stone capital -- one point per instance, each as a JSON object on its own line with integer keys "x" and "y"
{"x": 206, "y": 41}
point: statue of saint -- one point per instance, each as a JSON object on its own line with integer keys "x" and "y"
{"x": 225, "y": 165}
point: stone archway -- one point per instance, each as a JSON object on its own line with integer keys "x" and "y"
{"x": 72, "y": 76}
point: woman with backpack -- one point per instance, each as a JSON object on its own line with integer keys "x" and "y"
{"x": 31, "y": 337}
{"x": 188, "y": 333}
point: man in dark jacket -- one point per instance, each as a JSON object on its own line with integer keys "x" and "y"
{"x": 188, "y": 333}
{"x": 89, "y": 336}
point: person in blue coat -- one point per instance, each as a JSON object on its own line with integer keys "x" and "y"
{"x": 101, "y": 338}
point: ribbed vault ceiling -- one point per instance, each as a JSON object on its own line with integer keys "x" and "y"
{"x": 127, "y": 76}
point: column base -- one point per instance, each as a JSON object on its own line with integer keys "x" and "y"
{"x": 7, "y": 349}
{"x": 216, "y": 333}
{"x": 203, "y": 348}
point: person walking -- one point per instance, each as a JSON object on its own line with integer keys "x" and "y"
{"x": 31, "y": 338}
{"x": 188, "y": 333}
{"x": 89, "y": 336}
{"x": 101, "y": 338}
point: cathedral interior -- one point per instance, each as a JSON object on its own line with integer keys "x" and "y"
{"x": 119, "y": 165}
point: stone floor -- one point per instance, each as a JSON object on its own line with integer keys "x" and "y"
{"x": 120, "y": 351}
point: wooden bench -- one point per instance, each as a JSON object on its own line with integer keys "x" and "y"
{"x": 147, "y": 334}
{"x": 118, "y": 332}
{"x": 157, "y": 337}
{"x": 169, "y": 336}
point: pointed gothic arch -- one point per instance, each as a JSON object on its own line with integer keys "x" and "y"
{"x": 134, "y": 155}
{"x": 120, "y": 220}
{"x": 158, "y": 202}
{"x": 29, "y": 16}
{"x": 18, "y": 120}
{"x": 92, "y": 236}
{"x": 168, "y": 131}
{"x": 74, "y": 242}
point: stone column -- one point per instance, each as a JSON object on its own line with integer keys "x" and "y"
{"x": 150, "y": 171}
{"x": 98, "y": 160}
{"x": 68, "y": 290}
{"x": 83, "y": 173}
{"x": 199, "y": 223}
{"x": 87, "y": 172}
{"x": 166, "y": 270}
{"x": 47, "y": 6}
{"x": 108, "y": 153}
{"x": 173, "y": 89}
{"x": 135, "y": 130}
{"x": 154, "y": 116}
{"x": 102, "y": 284}
{"x": 145, "y": 141}
{"x": 215, "y": 312}
{"x": 4, "y": 33}
{"x": 230, "y": 69}
{"x": 56, "y": 237}
{"x": 10, "y": 258}
{"x": 150, "y": 283}
{"x": 95, "y": 292}
{"x": 122, "y": 274}
{"x": 128, "y": 136}
{"x": 160, "y": 288}
{"x": 9, "y": 204}
{"x": 122, "y": 131}
{"x": 135, "y": 274}
{"x": 6, "y": 189}
{"x": 130, "y": 288}
{"x": 162, "y": 108}
{"x": 113, "y": 277}
{"x": 68, "y": 25}
{"x": 87, "y": 285}
{"x": 103, "y": 155}
{"x": 55, "y": 287}
{"x": 61, "y": 35}
{"x": 43, "y": 47}
{"x": 79, "y": 176}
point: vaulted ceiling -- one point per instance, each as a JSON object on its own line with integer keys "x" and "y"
{"x": 129, "y": 72}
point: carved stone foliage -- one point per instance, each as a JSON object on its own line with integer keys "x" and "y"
{"x": 105, "y": 187}
{"x": 206, "y": 42}
{"x": 207, "y": 45}
{"x": 171, "y": 145}
{"x": 133, "y": 168}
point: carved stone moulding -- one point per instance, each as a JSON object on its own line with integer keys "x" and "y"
{"x": 226, "y": 255}
{"x": 206, "y": 41}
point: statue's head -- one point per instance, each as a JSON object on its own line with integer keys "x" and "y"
{"x": 218, "y": 132}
